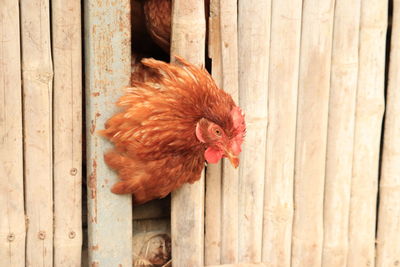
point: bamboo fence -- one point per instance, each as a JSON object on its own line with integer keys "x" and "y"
{"x": 318, "y": 183}
{"x": 41, "y": 133}
{"x": 107, "y": 65}
{"x": 187, "y": 203}
{"x": 12, "y": 223}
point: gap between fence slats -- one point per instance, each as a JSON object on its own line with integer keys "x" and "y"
{"x": 388, "y": 243}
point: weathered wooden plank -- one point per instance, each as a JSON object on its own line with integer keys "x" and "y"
{"x": 108, "y": 68}
{"x": 12, "y": 222}
{"x": 282, "y": 111}
{"x": 388, "y": 248}
{"x": 312, "y": 119}
{"x": 67, "y": 132}
{"x": 213, "y": 197}
{"x": 187, "y": 206}
{"x": 367, "y": 133}
{"x": 37, "y": 75}
{"x": 253, "y": 46}
{"x": 342, "y": 103}
{"x": 230, "y": 175}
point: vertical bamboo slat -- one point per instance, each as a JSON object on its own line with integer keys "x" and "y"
{"x": 253, "y": 44}
{"x": 213, "y": 197}
{"x": 342, "y": 103}
{"x": 108, "y": 68}
{"x": 187, "y": 206}
{"x": 230, "y": 175}
{"x": 282, "y": 110}
{"x": 12, "y": 220}
{"x": 388, "y": 247}
{"x": 37, "y": 74}
{"x": 312, "y": 118}
{"x": 367, "y": 135}
{"x": 66, "y": 32}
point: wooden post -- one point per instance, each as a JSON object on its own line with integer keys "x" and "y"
{"x": 253, "y": 44}
{"x": 230, "y": 175}
{"x": 342, "y": 103}
{"x": 108, "y": 69}
{"x": 187, "y": 206}
{"x": 12, "y": 221}
{"x": 367, "y": 135}
{"x": 282, "y": 111}
{"x": 388, "y": 248}
{"x": 37, "y": 75}
{"x": 213, "y": 197}
{"x": 67, "y": 59}
{"x": 312, "y": 119}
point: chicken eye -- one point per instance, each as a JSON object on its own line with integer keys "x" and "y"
{"x": 217, "y": 132}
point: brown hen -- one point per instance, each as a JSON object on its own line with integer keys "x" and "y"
{"x": 170, "y": 123}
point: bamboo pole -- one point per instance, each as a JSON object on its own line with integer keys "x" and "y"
{"x": 230, "y": 176}
{"x": 388, "y": 247}
{"x": 312, "y": 118}
{"x": 66, "y": 31}
{"x": 282, "y": 110}
{"x": 12, "y": 222}
{"x": 108, "y": 69}
{"x": 213, "y": 197}
{"x": 342, "y": 103}
{"x": 253, "y": 44}
{"x": 367, "y": 135}
{"x": 37, "y": 75}
{"x": 187, "y": 206}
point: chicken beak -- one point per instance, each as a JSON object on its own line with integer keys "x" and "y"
{"x": 232, "y": 158}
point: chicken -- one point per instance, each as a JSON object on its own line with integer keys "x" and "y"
{"x": 170, "y": 124}
{"x": 158, "y": 20}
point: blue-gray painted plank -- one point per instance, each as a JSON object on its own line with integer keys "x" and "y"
{"x": 108, "y": 64}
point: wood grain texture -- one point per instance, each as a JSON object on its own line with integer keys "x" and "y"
{"x": 311, "y": 133}
{"x": 187, "y": 206}
{"x": 37, "y": 75}
{"x": 282, "y": 111}
{"x": 367, "y": 135}
{"x": 213, "y": 197}
{"x": 230, "y": 176}
{"x": 253, "y": 45}
{"x": 108, "y": 68}
{"x": 67, "y": 132}
{"x": 12, "y": 221}
{"x": 342, "y": 103}
{"x": 388, "y": 249}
